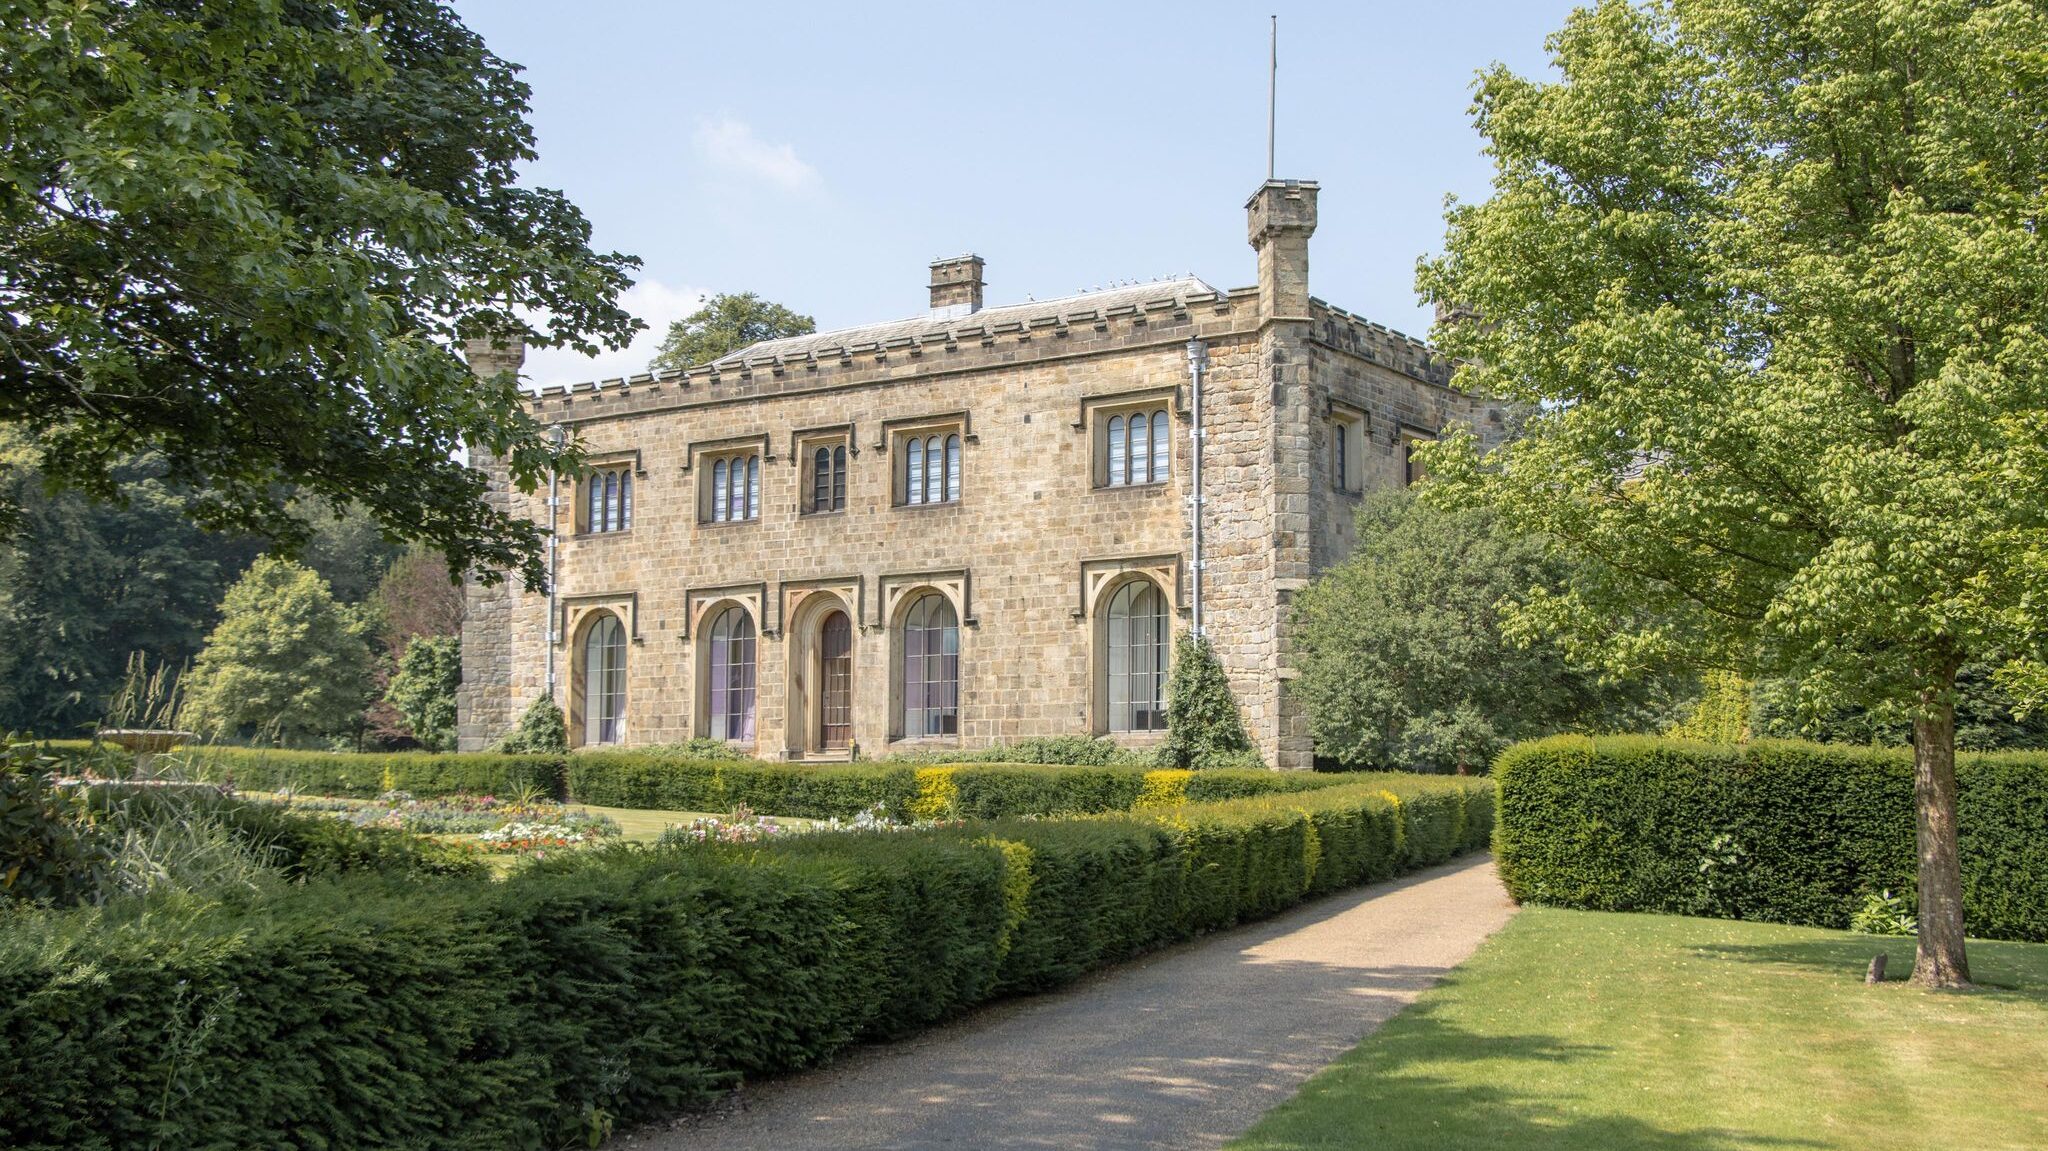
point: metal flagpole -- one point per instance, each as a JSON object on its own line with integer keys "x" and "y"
{"x": 1272, "y": 90}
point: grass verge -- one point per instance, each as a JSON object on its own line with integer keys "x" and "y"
{"x": 1575, "y": 1029}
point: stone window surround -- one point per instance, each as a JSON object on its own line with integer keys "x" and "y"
{"x": 1100, "y": 579}
{"x": 1404, "y": 436}
{"x": 701, "y": 606}
{"x": 1096, "y": 412}
{"x": 698, "y": 458}
{"x": 803, "y": 445}
{"x": 1355, "y": 423}
{"x": 597, "y": 463}
{"x": 897, "y": 432}
{"x": 896, "y": 593}
{"x": 578, "y": 614}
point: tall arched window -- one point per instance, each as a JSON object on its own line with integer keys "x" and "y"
{"x": 1136, "y": 663}
{"x": 753, "y": 488}
{"x": 604, "y": 681}
{"x": 1117, "y": 469}
{"x": 732, "y": 675}
{"x": 913, "y": 471}
{"x": 721, "y": 492}
{"x": 952, "y": 468}
{"x": 1161, "y": 454}
{"x": 931, "y": 668}
{"x": 593, "y": 516}
{"x": 1141, "y": 448}
{"x": 934, "y": 472}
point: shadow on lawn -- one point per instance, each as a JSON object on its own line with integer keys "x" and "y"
{"x": 1382, "y": 1103}
{"x": 2017, "y": 968}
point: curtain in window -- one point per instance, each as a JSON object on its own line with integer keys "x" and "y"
{"x": 1137, "y": 658}
{"x": 604, "y": 681}
{"x": 732, "y": 676}
{"x": 931, "y": 668}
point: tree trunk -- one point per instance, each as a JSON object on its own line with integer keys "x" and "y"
{"x": 1939, "y": 961}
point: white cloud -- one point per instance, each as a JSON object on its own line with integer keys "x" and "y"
{"x": 730, "y": 147}
{"x": 653, "y": 302}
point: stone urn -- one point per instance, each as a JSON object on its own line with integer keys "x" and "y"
{"x": 145, "y": 744}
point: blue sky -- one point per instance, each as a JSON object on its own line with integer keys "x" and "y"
{"x": 823, "y": 155}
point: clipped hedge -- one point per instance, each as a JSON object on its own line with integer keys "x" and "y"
{"x": 905, "y": 791}
{"x": 1779, "y": 831}
{"x": 367, "y": 774}
{"x": 626, "y": 983}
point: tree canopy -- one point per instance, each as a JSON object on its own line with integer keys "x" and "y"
{"x": 726, "y": 323}
{"x": 1774, "y": 277}
{"x": 1405, "y": 663}
{"x": 250, "y": 235}
{"x": 287, "y": 664}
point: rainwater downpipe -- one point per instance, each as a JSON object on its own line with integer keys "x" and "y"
{"x": 558, "y": 435}
{"x": 1198, "y": 360}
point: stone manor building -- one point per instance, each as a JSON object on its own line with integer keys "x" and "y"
{"x": 972, "y": 526}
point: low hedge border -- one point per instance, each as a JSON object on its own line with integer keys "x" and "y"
{"x": 1779, "y": 831}
{"x": 624, "y": 984}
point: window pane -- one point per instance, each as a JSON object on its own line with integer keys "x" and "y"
{"x": 593, "y": 516}
{"x": 753, "y": 487}
{"x": 718, "y": 492}
{"x": 934, "y": 471}
{"x": 838, "y": 478}
{"x": 1141, "y": 449}
{"x": 952, "y": 468}
{"x": 625, "y": 500}
{"x": 1162, "y": 455}
{"x": 913, "y": 473}
{"x": 1116, "y": 451}
{"x": 821, "y": 480}
{"x": 1340, "y": 464}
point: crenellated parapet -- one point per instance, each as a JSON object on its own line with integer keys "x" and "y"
{"x": 1355, "y": 335}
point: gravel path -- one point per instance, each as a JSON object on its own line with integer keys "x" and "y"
{"x": 1183, "y": 1048}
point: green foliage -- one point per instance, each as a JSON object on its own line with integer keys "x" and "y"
{"x": 347, "y": 548}
{"x": 1775, "y": 310}
{"x": 423, "y": 691}
{"x": 625, "y": 983}
{"x": 286, "y": 664}
{"x": 1405, "y": 660}
{"x": 726, "y": 323}
{"x": 84, "y": 584}
{"x": 362, "y": 776}
{"x": 1777, "y": 831}
{"x": 1987, "y": 716}
{"x": 542, "y": 729}
{"x": 49, "y": 850}
{"x": 247, "y": 236}
{"x": 1202, "y": 725}
{"x": 1722, "y": 714}
{"x": 1883, "y": 913}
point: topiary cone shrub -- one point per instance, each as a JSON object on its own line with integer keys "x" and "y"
{"x": 542, "y": 730}
{"x": 1202, "y": 725}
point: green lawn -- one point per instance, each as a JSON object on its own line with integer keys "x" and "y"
{"x": 1605, "y": 1032}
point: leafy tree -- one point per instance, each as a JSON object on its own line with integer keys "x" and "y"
{"x": 85, "y": 585}
{"x": 417, "y": 597}
{"x": 1203, "y": 728}
{"x": 542, "y": 728}
{"x": 423, "y": 691}
{"x": 1987, "y": 717}
{"x": 727, "y": 323}
{"x": 249, "y": 236}
{"x": 1405, "y": 663}
{"x": 1774, "y": 275}
{"x": 348, "y": 550}
{"x": 287, "y": 663}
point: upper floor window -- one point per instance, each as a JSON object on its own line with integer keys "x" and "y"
{"x": 1347, "y": 450}
{"x": 825, "y": 480}
{"x": 1412, "y": 469}
{"x": 608, "y": 500}
{"x": 1133, "y": 448}
{"x": 733, "y": 492}
{"x": 928, "y": 468}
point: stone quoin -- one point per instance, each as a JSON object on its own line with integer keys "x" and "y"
{"x": 960, "y": 529}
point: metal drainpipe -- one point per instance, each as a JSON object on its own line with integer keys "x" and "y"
{"x": 558, "y": 435}
{"x": 1198, "y": 359}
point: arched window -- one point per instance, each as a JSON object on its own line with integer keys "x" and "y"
{"x": 625, "y": 501}
{"x": 593, "y": 516}
{"x": 931, "y": 668}
{"x": 611, "y": 503}
{"x": 608, "y": 501}
{"x": 720, "y": 493}
{"x": 934, "y": 472}
{"x": 753, "y": 487}
{"x": 732, "y": 675}
{"x": 1116, "y": 451}
{"x": 913, "y": 471}
{"x": 1136, "y": 663}
{"x": 952, "y": 468}
{"x": 735, "y": 490}
{"x": 1141, "y": 448}
{"x": 604, "y": 681}
{"x": 1162, "y": 456}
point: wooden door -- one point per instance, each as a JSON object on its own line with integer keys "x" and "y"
{"x": 835, "y": 660}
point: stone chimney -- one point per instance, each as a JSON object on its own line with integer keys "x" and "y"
{"x": 491, "y": 356}
{"x": 956, "y": 286}
{"x": 1281, "y": 216}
